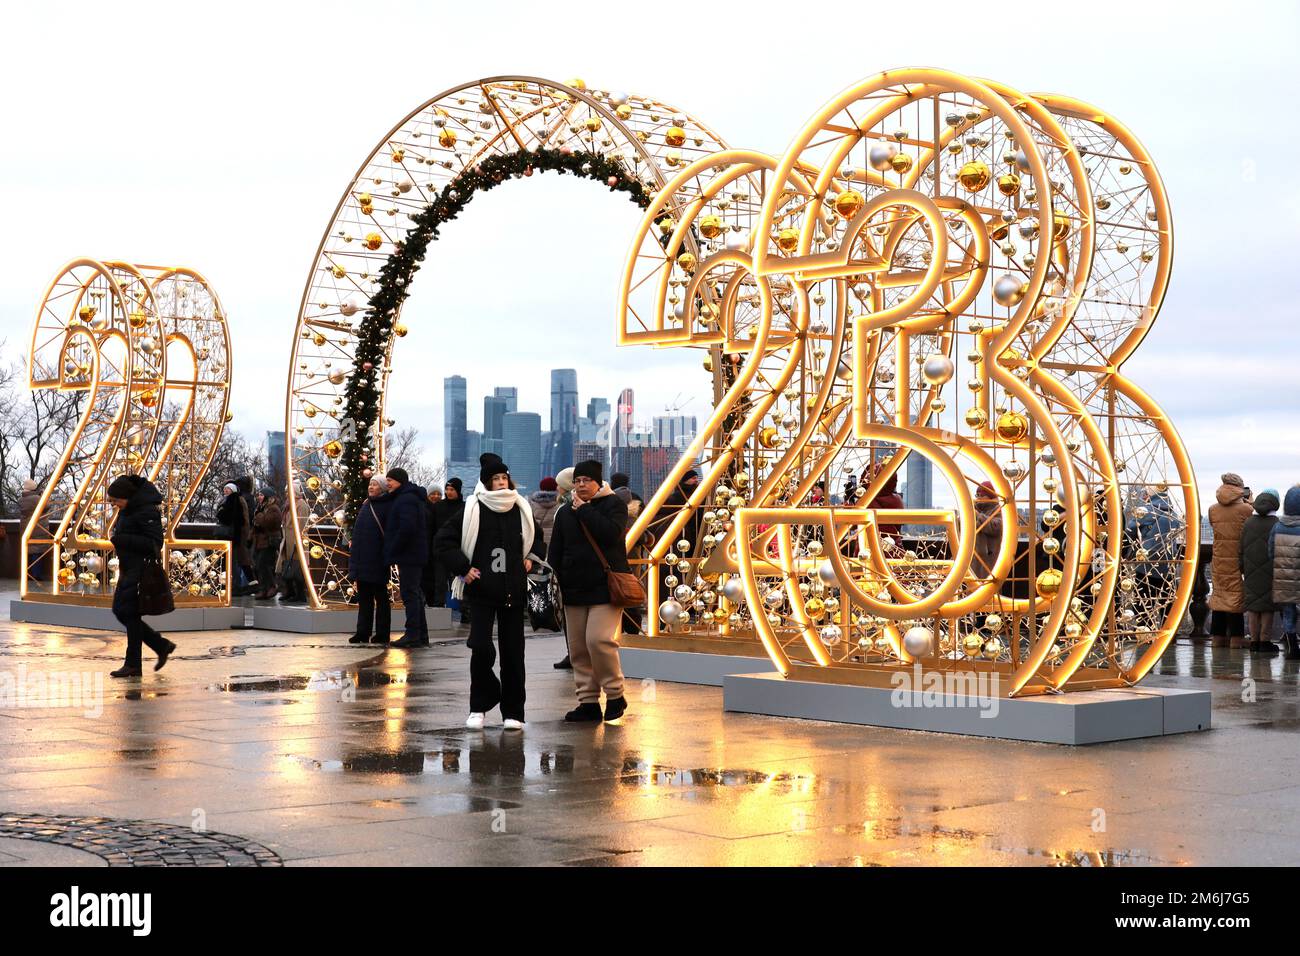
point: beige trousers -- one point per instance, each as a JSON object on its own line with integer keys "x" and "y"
{"x": 592, "y": 630}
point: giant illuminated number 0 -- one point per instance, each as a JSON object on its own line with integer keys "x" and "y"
{"x": 890, "y": 204}
{"x": 149, "y": 349}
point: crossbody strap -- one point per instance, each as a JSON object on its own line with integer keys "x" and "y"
{"x": 377, "y": 521}
{"x": 599, "y": 553}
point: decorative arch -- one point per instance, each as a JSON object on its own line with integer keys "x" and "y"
{"x": 419, "y": 176}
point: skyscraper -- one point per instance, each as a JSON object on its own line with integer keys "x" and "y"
{"x": 564, "y": 418}
{"x": 920, "y": 481}
{"x": 453, "y": 418}
{"x": 275, "y": 461}
{"x": 594, "y": 426}
{"x": 494, "y": 409}
{"x": 623, "y": 419}
{"x": 509, "y": 395}
{"x": 522, "y": 440}
{"x": 670, "y": 429}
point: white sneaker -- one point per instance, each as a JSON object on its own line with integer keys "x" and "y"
{"x": 511, "y": 724}
{"x": 474, "y": 721}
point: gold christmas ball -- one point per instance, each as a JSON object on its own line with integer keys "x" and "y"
{"x": 711, "y": 227}
{"x": 901, "y": 163}
{"x": 708, "y": 363}
{"x": 687, "y": 261}
{"x": 373, "y": 241}
{"x": 1048, "y": 583}
{"x": 67, "y": 576}
{"x": 675, "y": 136}
{"x": 592, "y": 124}
{"x": 623, "y": 112}
{"x": 230, "y": 417}
{"x": 310, "y": 411}
{"x": 137, "y": 319}
{"x": 577, "y": 83}
{"x": 447, "y": 137}
{"x": 399, "y": 155}
{"x": 741, "y": 481}
{"x": 974, "y": 175}
{"x": 313, "y": 483}
{"x": 848, "y": 203}
{"x": 1008, "y": 184}
{"x": 816, "y": 609}
{"x": 318, "y": 338}
{"x": 339, "y": 271}
{"x": 666, "y": 225}
{"x": 400, "y": 330}
{"x": 194, "y": 589}
{"x": 86, "y": 313}
{"x": 317, "y": 552}
{"x": 149, "y": 397}
{"x": 365, "y": 199}
{"x": 1012, "y": 427}
{"x": 767, "y": 437}
{"x": 976, "y": 417}
{"x": 973, "y": 645}
{"x": 333, "y": 448}
{"x": 787, "y": 239}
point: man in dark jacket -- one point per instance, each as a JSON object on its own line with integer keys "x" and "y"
{"x": 444, "y": 512}
{"x": 137, "y": 536}
{"x": 367, "y": 567}
{"x": 589, "y": 534}
{"x": 406, "y": 545}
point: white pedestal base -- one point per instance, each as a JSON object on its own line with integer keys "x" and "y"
{"x": 687, "y": 667}
{"x": 1083, "y": 717}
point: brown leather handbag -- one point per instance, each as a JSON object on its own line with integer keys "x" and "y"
{"x": 625, "y": 588}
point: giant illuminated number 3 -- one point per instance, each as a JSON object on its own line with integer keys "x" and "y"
{"x": 149, "y": 350}
{"x": 916, "y": 211}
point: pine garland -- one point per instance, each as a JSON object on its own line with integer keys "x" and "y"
{"x": 362, "y": 395}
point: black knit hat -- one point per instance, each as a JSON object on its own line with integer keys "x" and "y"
{"x": 399, "y": 475}
{"x": 125, "y": 486}
{"x": 590, "y": 468}
{"x": 490, "y": 464}
{"x": 455, "y": 483}
{"x": 619, "y": 480}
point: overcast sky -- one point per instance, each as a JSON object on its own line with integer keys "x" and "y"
{"x": 221, "y": 135}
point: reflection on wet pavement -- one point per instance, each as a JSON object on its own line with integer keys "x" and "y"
{"x": 326, "y": 753}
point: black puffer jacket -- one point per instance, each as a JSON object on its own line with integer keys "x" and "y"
{"x": 500, "y": 585}
{"x": 577, "y": 566}
{"x": 138, "y": 532}
{"x": 1256, "y": 564}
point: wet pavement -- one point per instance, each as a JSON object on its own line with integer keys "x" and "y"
{"x": 258, "y": 748}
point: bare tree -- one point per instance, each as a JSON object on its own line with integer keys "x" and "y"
{"x": 403, "y": 450}
{"x": 234, "y": 457}
{"x": 36, "y": 425}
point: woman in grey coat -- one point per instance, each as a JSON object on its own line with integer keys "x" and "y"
{"x": 1257, "y": 571}
{"x": 1284, "y": 549}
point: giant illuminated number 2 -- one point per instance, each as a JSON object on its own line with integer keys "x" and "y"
{"x": 149, "y": 349}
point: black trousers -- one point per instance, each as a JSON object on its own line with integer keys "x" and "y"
{"x": 485, "y": 690}
{"x": 126, "y": 608}
{"x": 1227, "y": 624}
{"x": 374, "y": 610}
{"x": 410, "y": 586}
{"x": 435, "y": 584}
{"x": 266, "y": 567}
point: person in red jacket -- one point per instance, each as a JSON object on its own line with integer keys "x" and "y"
{"x": 889, "y": 498}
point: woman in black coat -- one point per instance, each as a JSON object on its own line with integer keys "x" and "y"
{"x": 489, "y": 545}
{"x": 596, "y": 518}
{"x": 137, "y": 537}
{"x": 1257, "y": 571}
{"x": 368, "y": 569}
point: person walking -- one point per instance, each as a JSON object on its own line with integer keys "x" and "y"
{"x": 137, "y": 537}
{"x": 234, "y": 524}
{"x": 489, "y": 546}
{"x": 368, "y": 569}
{"x": 406, "y": 546}
{"x": 267, "y": 521}
{"x": 589, "y": 537}
{"x": 1257, "y": 571}
{"x": 1227, "y": 597}
{"x": 1284, "y": 549}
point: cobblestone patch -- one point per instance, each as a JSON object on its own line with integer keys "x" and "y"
{"x": 138, "y": 842}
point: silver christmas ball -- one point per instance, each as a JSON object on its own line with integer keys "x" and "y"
{"x": 1028, "y": 229}
{"x": 937, "y": 369}
{"x": 826, "y": 571}
{"x": 337, "y": 376}
{"x": 617, "y": 99}
{"x": 1008, "y": 290}
{"x": 737, "y": 241}
{"x": 881, "y": 155}
{"x": 683, "y": 593}
{"x": 669, "y": 612}
{"x": 918, "y": 641}
{"x": 830, "y": 635}
{"x": 734, "y": 590}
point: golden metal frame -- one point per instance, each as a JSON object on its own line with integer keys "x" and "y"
{"x": 117, "y": 331}
{"x": 868, "y": 240}
{"x": 433, "y": 145}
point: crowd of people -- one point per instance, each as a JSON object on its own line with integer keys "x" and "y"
{"x": 1254, "y": 567}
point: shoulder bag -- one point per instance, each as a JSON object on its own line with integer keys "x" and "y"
{"x": 625, "y": 588}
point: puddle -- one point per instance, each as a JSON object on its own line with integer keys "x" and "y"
{"x": 637, "y": 773}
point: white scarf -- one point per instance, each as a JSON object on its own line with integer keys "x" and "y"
{"x": 499, "y": 501}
